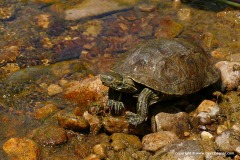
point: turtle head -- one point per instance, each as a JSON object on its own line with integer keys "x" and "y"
{"x": 118, "y": 82}
{"x": 111, "y": 79}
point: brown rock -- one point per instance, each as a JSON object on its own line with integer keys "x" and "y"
{"x": 71, "y": 121}
{"x": 155, "y": 141}
{"x": 177, "y": 123}
{"x": 146, "y": 7}
{"x": 86, "y": 146}
{"x": 122, "y": 140}
{"x": 87, "y": 91}
{"x": 49, "y": 135}
{"x": 115, "y": 124}
{"x": 121, "y": 125}
{"x": 168, "y": 28}
{"x": 206, "y": 112}
{"x": 54, "y": 89}
{"x": 22, "y": 149}
{"x": 94, "y": 121}
{"x": 45, "y": 111}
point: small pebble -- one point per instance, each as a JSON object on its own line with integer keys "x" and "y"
{"x": 100, "y": 150}
{"x": 206, "y": 135}
{"x": 54, "y": 89}
{"x": 221, "y": 128}
{"x": 184, "y": 14}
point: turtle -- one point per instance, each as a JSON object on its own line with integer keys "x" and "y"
{"x": 157, "y": 70}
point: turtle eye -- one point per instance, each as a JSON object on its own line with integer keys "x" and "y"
{"x": 109, "y": 78}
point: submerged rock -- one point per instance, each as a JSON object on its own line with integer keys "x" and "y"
{"x": 22, "y": 149}
{"x": 71, "y": 121}
{"x": 49, "y": 135}
{"x": 88, "y": 8}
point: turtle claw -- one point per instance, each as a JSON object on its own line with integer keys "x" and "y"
{"x": 134, "y": 119}
{"x": 115, "y": 106}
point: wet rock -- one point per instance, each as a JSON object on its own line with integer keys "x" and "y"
{"x": 206, "y": 135}
{"x": 71, "y": 121}
{"x": 221, "y": 53}
{"x": 182, "y": 149}
{"x": 54, "y": 89}
{"x": 221, "y": 128}
{"x": 168, "y": 28}
{"x": 43, "y": 20}
{"x": 22, "y": 149}
{"x": 49, "y": 135}
{"x": 230, "y": 74}
{"x": 115, "y": 124}
{"x": 94, "y": 122}
{"x": 206, "y": 112}
{"x": 7, "y": 12}
{"x": 122, "y": 140}
{"x": 85, "y": 147}
{"x": 208, "y": 40}
{"x": 9, "y": 54}
{"x": 184, "y": 14}
{"x": 45, "y": 111}
{"x": 236, "y": 127}
{"x": 92, "y": 157}
{"x": 121, "y": 125}
{"x": 177, "y": 123}
{"x": 93, "y": 28}
{"x": 100, "y": 150}
{"x": 87, "y": 91}
{"x": 88, "y": 8}
{"x": 146, "y": 30}
{"x": 155, "y": 141}
{"x": 147, "y": 7}
{"x": 229, "y": 16}
{"x": 228, "y": 141}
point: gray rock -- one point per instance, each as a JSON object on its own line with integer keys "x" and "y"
{"x": 230, "y": 72}
{"x": 228, "y": 140}
{"x": 180, "y": 150}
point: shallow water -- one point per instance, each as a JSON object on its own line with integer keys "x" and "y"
{"x": 38, "y": 47}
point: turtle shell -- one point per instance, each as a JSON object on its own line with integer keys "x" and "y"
{"x": 171, "y": 66}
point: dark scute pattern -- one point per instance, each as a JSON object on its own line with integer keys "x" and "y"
{"x": 172, "y": 66}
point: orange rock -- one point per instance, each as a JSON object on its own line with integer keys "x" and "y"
{"x": 22, "y": 149}
{"x": 87, "y": 91}
{"x": 45, "y": 111}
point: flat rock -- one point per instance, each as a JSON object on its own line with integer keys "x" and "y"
{"x": 155, "y": 141}
{"x": 90, "y": 8}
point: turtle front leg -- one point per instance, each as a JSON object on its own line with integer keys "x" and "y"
{"x": 114, "y": 102}
{"x": 143, "y": 103}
